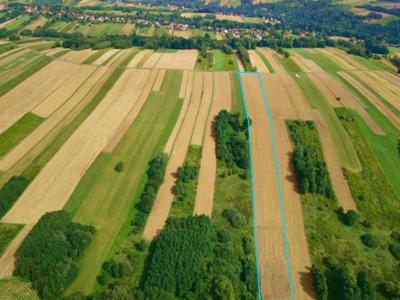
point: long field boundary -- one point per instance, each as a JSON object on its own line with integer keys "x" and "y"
{"x": 277, "y": 175}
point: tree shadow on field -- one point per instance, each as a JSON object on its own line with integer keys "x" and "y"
{"x": 306, "y": 283}
{"x": 292, "y": 176}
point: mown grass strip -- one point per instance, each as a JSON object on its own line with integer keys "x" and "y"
{"x": 94, "y": 56}
{"x": 18, "y": 131}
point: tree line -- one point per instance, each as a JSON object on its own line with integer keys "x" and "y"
{"x": 308, "y": 161}
{"x": 11, "y": 191}
{"x": 49, "y": 254}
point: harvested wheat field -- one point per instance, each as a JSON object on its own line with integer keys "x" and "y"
{"x": 105, "y": 57}
{"x": 271, "y": 247}
{"x": 82, "y": 95}
{"x": 53, "y": 51}
{"x": 185, "y": 92}
{"x": 198, "y": 131}
{"x": 372, "y": 97}
{"x": 159, "y": 80}
{"x": 183, "y": 34}
{"x": 59, "y": 96}
{"x": 239, "y": 63}
{"x": 257, "y": 62}
{"x": 234, "y": 18}
{"x": 180, "y": 60}
{"x": 335, "y": 93}
{"x": 163, "y": 202}
{"x": 208, "y": 164}
{"x": 32, "y": 91}
{"x": 282, "y": 110}
{"x": 138, "y": 58}
{"x": 352, "y": 63}
{"x": 52, "y": 187}
{"x": 345, "y": 65}
{"x": 77, "y": 56}
{"x": 152, "y": 60}
{"x": 36, "y": 23}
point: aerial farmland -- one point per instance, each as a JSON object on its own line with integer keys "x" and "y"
{"x": 161, "y": 151}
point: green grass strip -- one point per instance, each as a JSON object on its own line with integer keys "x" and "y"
{"x": 266, "y": 62}
{"x": 94, "y": 56}
{"x": 7, "y": 233}
{"x": 35, "y": 66}
{"x": 18, "y": 131}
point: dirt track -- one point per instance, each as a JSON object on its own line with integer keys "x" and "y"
{"x": 32, "y": 91}
{"x": 282, "y": 109}
{"x": 200, "y": 124}
{"x": 272, "y": 262}
{"x": 85, "y": 91}
{"x": 257, "y": 62}
{"x": 208, "y": 164}
{"x": 52, "y": 187}
{"x": 163, "y": 202}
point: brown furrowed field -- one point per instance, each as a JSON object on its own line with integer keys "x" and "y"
{"x": 163, "y": 202}
{"x": 208, "y": 164}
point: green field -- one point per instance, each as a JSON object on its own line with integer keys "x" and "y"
{"x": 18, "y": 23}
{"x": 341, "y": 139}
{"x": 105, "y": 28}
{"x": 7, "y": 233}
{"x": 113, "y": 194}
{"x": 224, "y": 62}
{"x": 18, "y": 131}
{"x": 16, "y": 289}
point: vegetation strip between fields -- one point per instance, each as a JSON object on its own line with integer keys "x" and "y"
{"x": 282, "y": 209}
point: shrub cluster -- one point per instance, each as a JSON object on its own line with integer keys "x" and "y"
{"x": 319, "y": 281}
{"x": 185, "y": 174}
{"x": 155, "y": 176}
{"x": 369, "y": 240}
{"x": 245, "y": 58}
{"x": 231, "y": 139}
{"x": 395, "y": 250}
{"x": 348, "y": 218}
{"x": 308, "y": 162}
{"x": 10, "y": 192}
{"x": 235, "y": 218}
{"x": 48, "y": 255}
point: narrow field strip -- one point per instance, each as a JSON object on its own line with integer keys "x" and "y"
{"x": 159, "y": 80}
{"x": 208, "y": 163}
{"x": 186, "y": 89}
{"x": 77, "y": 56}
{"x": 180, "y": 60}
{"x": 163, "y": 202}
{"x": 106, "y": 199}
{"x": 133, "y": 113}
{"x": 135, "y": 62}
{"x": 273, "y": 265}
{"x": 32, "y": 91}
{"x": 64, "y": 92}
{"x": 282, "y": 110}
{"x": 257, "y": 62}
{"x": 200, "y": 124}
{"x": 104, "y": 57}
{"x": 152, "y": 60}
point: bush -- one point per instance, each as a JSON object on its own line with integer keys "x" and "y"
{"x": 319, "y": 281}
{"x": 223, "y": 236}
{"x": 10, "y": 192}
{"x": 26, "y": 32}
{"x": 390, "y": 289}
{"x": 140, "y": 246}
{"x": 369, "y": 240}
{"x": 235, "y": 218}
{"x": 119, "y": 166}
{"x": 395, "y": 250}
{"x": 349, "y": 218}
{"x": 48, "y": 255}
{"x": 367, "y": 289}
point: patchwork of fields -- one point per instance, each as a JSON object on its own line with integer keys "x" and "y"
{"x": 83, "y": 128}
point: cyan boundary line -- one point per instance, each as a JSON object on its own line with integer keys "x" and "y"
{"x": 252, "y": 186}
{"x": 278, "y": 181}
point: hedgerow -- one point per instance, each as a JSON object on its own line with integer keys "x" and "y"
{"x": 10, "y": 192}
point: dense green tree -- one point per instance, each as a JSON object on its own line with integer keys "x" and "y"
{"x": 319, "y": 281}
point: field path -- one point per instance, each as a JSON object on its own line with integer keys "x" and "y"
{"x": 53, "y": 186}
{"x": 165, "y": 196}
{"x": 282, "y": 110}
{"x": 273, "y": 264}
{"x": 208, "y": 164}
{"x": 32, "y": 91}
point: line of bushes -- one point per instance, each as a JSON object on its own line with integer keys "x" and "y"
{"x": 155, "y": 176}
{"x": 308, "y": 161}
{"x": 245, "y": 58}
{"x": 49, "y": 254}
{"x": 231, "y": 139}
{"x": 10, "y": 192}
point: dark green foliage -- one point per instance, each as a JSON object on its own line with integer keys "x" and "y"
{"x": 119, "y": 166}
{"x": 319, "y": 281}
{"x": 367, "y": 288}
{"x": 223, "y": 289}
{"x": 223, "y": 236}
{"x": 177, "y": 257}
{"x": 10, "y": 192}
{"x": 346, "y": 286}
{"x": 390, "y": 289}
{"x": 369, "y": 240}
{"x": 395, "y": 250}
{"x": 48, "y": 255}
{"x": 7, "y": 233}
{"x": 140, "y": 246}
{"x": 235, "y": 218}
{"x": 398, "y": 146}
{"x": 231, "y": 139}
{"x": 349, "y": 218}
{"x": 26, "y": 32}
{"x": 115, "y": 269}
{"x": 155, "y": 176}
{"x": 308, "y": 161}
{"x": 245, "y": 58}
{"x": 187, "y": 173}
